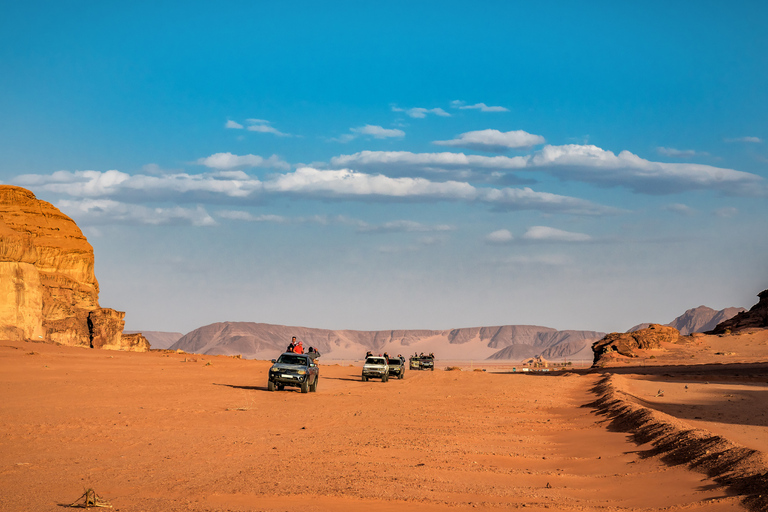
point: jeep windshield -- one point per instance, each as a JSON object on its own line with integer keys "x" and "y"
{"x": 375, "y": 360}
{"x": 289, "y": 359}
{"x": 393, "y": 361}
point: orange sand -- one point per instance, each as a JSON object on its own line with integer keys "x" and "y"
{"x": 159, "y": 431}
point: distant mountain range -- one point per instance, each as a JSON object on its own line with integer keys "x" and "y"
{"x": 700, "y": 319}
{"x": 508, "y": 342}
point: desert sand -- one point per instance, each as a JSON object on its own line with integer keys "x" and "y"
{"x": 169, "y": 431}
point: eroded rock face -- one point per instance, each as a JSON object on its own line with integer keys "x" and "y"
{"x": 627, "y": 343}
{"x": 756, "y": 317}
{"x": 48, "y": 290}
{"x": 135, "y": 342}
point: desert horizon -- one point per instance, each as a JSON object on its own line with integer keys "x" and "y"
{"x": 163, "y": 430}
{"x": 564, "y": 203}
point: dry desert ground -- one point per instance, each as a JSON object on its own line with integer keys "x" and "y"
{"x": 164, "y": 431}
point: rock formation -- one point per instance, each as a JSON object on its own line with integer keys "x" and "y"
{"x": 700, "y": 319}
{"x": 757, "y": 317}
{"x": 158, "y": 339}
{"x": 627, "y": 343}
{"x": 48, "y": 290}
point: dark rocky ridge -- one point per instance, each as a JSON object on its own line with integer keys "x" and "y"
{"x": 756, "y": 317}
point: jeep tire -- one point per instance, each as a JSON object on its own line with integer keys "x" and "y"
{"x": 313, "y": 386}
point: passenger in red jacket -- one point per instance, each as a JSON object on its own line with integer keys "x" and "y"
{"x": 299, "y": 348}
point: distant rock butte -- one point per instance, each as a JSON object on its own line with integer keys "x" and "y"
{"x": 756, "y": 317}
{"x": 48, "y": 290}
{"x": 159, "y": 339}
{"x": 700, "y": 319}
{"x": 626, "y": 343}
{"x": 510, "y": 342}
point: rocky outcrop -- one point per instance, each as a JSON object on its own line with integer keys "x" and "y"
{"x": 627, "y": 343}
{"x": 756, "y": 317}
{"x": 700, "y": 319}
{"x": 135, "y": 342}
{"x": 48, "y": 290}
{"x": 159, "y": 339}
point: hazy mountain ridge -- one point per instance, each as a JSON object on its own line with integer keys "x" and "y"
{"x": 264, "y": 341}
{"x": 700, "y": 319}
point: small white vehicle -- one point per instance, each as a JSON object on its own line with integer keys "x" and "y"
{"x": 376, "y": 367}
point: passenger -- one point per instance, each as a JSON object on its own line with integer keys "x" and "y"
{"x": 368, "y": 354}
{"x": 292, "y": 345}
{"x": 299, "y": 348}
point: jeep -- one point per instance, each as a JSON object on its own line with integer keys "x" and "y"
{"x": 296, "y": 370}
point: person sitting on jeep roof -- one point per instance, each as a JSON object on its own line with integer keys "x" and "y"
{"x": 292, "y": 345}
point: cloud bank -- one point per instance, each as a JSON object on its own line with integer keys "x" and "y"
{"x": 308, "y": 182}
{"x": 570, "y": 162}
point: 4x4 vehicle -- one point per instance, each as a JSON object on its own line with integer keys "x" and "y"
{"x": 376, "y": 367}
{"x": 296, "y": 370}
{"x": 396, "y": 367}
{"x": 423, "y": 363}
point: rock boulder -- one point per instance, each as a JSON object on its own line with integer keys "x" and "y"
{"x": 627, "y": 343}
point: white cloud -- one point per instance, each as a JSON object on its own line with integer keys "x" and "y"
{"x": 752, "y": 140}
{"x": 499, "y": 237}
{"x": 343, "y": 184}
{"x": 350, "y": 184}
{"x": 378, "y": 132}
{"x": 548, "y": 234}
{"x": 263, "y": 126}
{"x": 680, "y": 153}
{"x": 227, "y": 161}
{"x": 141, "y": 187}
{"x": 107, "y": 211}
{"x": 256, "y": 125}
{"x": 482, "y": 107}
{"x": 595, "y": 165}
{"x": 493, "y": 140}
{"x": 435, "y": 165}
{"x": 421, "y": 112}
{"x": 347, "y": 183}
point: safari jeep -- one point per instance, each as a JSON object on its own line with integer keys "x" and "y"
{"x": 297, "y": 370}
{"x": 376, "y": 367}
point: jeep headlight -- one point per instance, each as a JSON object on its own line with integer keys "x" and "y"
{"x": 274, "y": 370}
{"x": 301, "y": 372}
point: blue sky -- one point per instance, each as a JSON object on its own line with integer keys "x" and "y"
{"x": 398, "y": 165}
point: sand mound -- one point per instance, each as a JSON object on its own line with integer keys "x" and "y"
{"x": 742, "y": 469}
